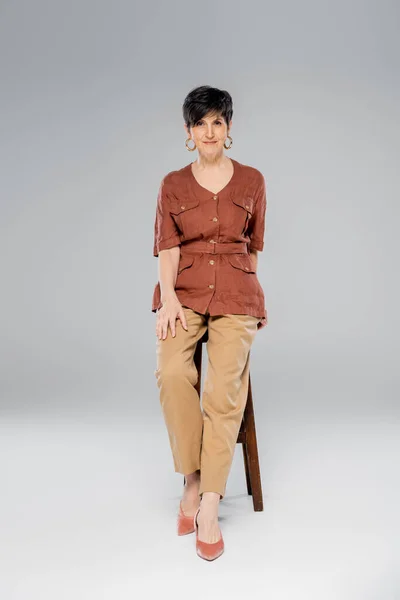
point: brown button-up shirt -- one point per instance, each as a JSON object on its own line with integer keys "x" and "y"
{"x": 215, "y": 233}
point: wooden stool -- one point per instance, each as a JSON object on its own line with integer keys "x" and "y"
{"x": 247, "y": 436}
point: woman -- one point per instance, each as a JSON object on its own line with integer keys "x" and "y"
{"x": 209, "y": 226}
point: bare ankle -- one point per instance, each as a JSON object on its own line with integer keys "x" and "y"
{"x": 210, "y": 500}
{"x": 192, "y": 478}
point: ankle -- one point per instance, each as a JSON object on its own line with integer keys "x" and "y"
{"x": 210, "y": 499}
{"x": 193, "y": 479}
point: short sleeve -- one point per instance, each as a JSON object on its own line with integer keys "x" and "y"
{"x": 256, "y": 226}
{"x": 166, "y": 234}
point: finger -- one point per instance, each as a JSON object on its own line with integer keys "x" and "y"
{"x": 182, "y": 318}
{"x": 159, "y": 324}
{"x": 166, "y": 325}
{"x": 165, "y": 328}
{"x": 173, "y": 327}
{"x": 159, "y": 329}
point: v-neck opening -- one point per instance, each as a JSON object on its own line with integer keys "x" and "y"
{"x": 204, "y": 189}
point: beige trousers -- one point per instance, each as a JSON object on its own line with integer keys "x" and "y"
{"x": 205, "y": 439}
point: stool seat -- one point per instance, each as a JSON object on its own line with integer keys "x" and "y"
{"x": 247, "y": 435}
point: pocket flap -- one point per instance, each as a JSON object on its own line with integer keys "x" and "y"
{"x": 185, "y": 261}
{"x": 246, "y": 202}
{"x": 181, "y": 206}
{"x": 242, "y": 262}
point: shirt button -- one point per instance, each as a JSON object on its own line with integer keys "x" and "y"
{"x": 212, "y": 241}
{"x": 246, "y": 268}
{"x": 247, "y": 206}
{"x": 212, "y": 262}
{"x": 211, "y": 285}
{"x": 215, "y": 197}
{"x": 215, "y": 218}
{"x": 183, "y": 208}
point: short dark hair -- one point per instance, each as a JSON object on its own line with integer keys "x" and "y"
{"x": 205, "y": 99}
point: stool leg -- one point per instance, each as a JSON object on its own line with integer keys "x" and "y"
{"x": 246, "y": 468}
{"x": 251, "y": 452}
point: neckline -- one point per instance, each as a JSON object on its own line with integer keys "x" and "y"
{"x": 204, "y": 189}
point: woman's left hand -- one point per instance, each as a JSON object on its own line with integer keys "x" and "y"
{"x": 262, "y": 323}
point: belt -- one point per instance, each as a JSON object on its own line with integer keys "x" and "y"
{"x": 213, "y": 247}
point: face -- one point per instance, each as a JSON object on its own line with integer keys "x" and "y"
{"x": 209, "y": 134}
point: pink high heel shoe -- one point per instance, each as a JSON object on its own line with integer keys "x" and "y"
{"x": 185, "y": 524}
{"x": 205, "y": 550}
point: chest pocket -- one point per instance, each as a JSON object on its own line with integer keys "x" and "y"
{"x": 242, "y": 210}
{"x": 186, "y": 216}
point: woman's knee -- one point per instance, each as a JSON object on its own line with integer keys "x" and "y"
{"x": 176, "y": 370}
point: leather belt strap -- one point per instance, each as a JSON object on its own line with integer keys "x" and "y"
{"x": 196, "y": 246}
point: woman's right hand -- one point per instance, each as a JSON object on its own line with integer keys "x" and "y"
{"x": 166, "y": 315}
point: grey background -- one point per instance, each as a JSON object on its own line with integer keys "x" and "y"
{"x": 91, "y": 96}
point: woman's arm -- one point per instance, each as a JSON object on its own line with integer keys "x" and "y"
{"x": 167, "y": 248}
{"x": 254, "y": 258}
{"x": 171, "y": 309}
{"x": 257, "y": 230}
{"x": 168, "y": 261}
{"x": 256, "y": 226}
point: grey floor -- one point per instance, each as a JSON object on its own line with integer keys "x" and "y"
{"x": 88, "y": 509}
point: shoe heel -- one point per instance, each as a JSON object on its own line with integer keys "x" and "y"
{"x": 184, "y": 523}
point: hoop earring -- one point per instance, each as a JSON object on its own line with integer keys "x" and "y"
{"x": 230, "y": 145}
{"x": 187, "y": 147}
